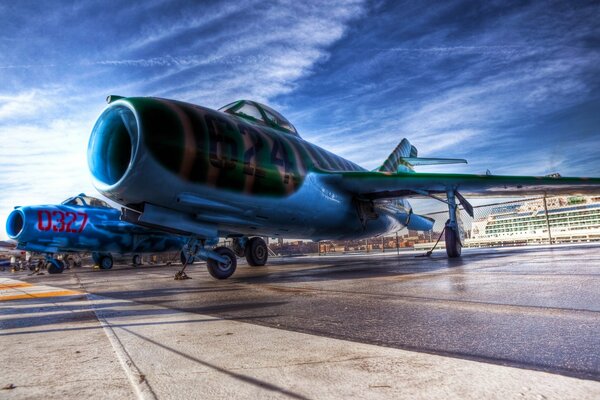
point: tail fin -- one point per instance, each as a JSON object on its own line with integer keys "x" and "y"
{"x": 395, "y": 161}
{"x": 404, "y": 158}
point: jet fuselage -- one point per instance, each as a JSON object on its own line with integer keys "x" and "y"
{"x": 228, "y": 175}
{"x": 69, "y": 228}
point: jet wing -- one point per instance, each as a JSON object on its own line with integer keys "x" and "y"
{"x": 379, "y": 185}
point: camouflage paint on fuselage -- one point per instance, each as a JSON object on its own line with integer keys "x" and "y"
{"x": 157, "y": 151}
{"x": 228, "y": 152}
{"x": 62, "y": 228}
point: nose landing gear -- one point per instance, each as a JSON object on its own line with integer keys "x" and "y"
{"x": 220, "y": 262}
{"x": 55, "y": 266}
{"x": 223, "y": 268}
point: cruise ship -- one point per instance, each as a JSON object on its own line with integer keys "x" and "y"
{"x": 571, "y": 220}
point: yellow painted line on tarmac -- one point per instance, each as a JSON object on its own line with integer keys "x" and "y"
{"x": 14, "y": 285}
{"x": 12, "y": 289}
{"x": 23, "y": 296}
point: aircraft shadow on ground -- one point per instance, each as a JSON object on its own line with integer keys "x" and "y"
{"x": 343, "y": 269}
{"x": 65, "y": 313}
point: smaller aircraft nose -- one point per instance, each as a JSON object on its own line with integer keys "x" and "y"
{"x": 15, "y": 224}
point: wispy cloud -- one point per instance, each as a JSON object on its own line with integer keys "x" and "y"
{"x": 511, "y": 87}
{"x": 55, "y": 76}
{"x": 461, "y": 88}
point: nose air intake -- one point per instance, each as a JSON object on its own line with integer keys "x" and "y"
{"x": 112, "y": 143}
{"x": 15, "y": 224}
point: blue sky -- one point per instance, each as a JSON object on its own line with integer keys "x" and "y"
{"x": 511, "y": 86}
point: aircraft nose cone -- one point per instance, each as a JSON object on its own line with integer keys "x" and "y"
{"x": 15, "y": 224}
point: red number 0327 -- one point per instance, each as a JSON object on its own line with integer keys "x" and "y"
{"x": 61, "y": 221}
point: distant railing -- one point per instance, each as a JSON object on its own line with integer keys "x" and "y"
{"x": 530, "y": 221}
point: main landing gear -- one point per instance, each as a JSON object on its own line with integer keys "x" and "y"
{"x": 103, "y": 260}
{"x": 221, "y": 262}
{"x": 453, "y": 232}
{"x": 136, "y": 260}
{"x": 254, "y": 249}
{"x": 453, "y": 228}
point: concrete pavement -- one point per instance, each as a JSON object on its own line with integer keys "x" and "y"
{"x": 136, "y": 333}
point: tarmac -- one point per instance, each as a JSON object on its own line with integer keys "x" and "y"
{"x": 497, "y": 323}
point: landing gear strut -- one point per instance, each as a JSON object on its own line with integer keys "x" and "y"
{"x": 220, "y": 262}
{"x": 452, "y": 228}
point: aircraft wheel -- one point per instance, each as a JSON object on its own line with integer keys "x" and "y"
{"x": 256, "y": 252}
{"x": 453, "y": 244}
{"x": 106, "y": 261}
{"x": 69, "y": 263}
{"x": 55, "y": 266}
{"x": 182, "y": 258}
{"x": 136, "y": 260}
{"x": 222, "y": 270}
{"x": 96, "y": 258}
{"x": 236, "y": 246}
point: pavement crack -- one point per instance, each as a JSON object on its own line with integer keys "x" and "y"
{"x": 331, "y": 361}
{"x": 138, "y": 381}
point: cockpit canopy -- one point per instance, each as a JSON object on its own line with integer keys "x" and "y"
{"x": 261, "y": 114}
{"x": 87, "y": 201}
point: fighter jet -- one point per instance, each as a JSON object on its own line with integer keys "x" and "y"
{"x": 243, "y": 172}
{"x": 84, "y": 224}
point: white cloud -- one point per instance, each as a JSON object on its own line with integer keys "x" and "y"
{"x": 25, "y": 104}
{"x": 44, "y": 130}
{"x": 42, "y": 164}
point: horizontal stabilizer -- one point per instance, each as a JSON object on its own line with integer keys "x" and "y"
{"x": 414, "y": 161}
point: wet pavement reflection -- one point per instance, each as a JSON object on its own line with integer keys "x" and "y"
{"x": 530, "y": 308}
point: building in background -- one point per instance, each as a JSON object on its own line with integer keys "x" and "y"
{"x": 570, "y": 220}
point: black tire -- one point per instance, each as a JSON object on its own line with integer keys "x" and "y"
{"x": 453, "y": 244}
{"x": 69, "y": 263}
{"x": 257, "y": 252}
{"x": 222, "y": 271}
{"x": 182, "y": 257}
{"x": 96, "y": 258}
{"x": 136, "y": 260}
{"x": 236, "y": 246}
{"x": 55, "y": 266}
{"x": 106, "y": 261}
